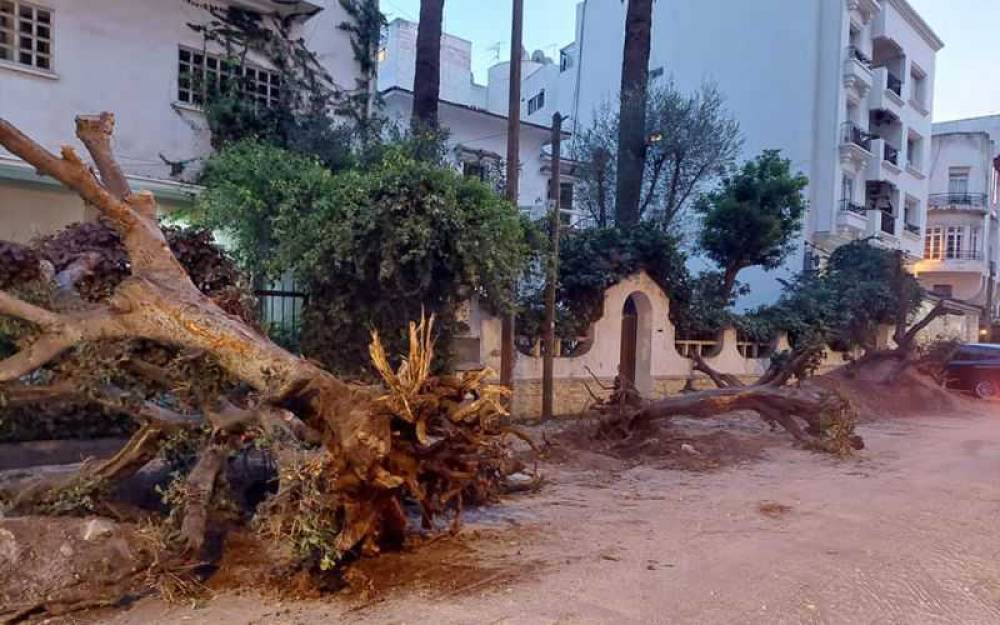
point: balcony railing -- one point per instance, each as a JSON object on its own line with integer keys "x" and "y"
{"x": 859, "y": 56}
{"x": 956, "y": 255}
{"x": 912, "y": 228}
{"x": 894, "y": 84}
{"x": 852, "y": 133}
{"x": 848, "y": 206}
{"x": 958, "y": 200}
{"x": 891, "y": 154}
{"x": 888, "y": 223}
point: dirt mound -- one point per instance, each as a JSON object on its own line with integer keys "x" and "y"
{"x": 58, "y": 564}
{"x": 683, "y": 444}
{"x": 440, "y": 566}
{"x": 912, "y": 393}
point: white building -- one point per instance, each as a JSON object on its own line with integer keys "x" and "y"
{"x": 842, "y": 87}
{"x": 475, "y": 115}
{"x": 129, "y": 57}
{"x": 962, "y": 240}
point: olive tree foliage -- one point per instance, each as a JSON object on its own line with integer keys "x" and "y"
{"x": 861, "y": 287}
{"x": 692, "y": 140}
{"x": 373, "y": 246}
{"x": 752, "y": 219}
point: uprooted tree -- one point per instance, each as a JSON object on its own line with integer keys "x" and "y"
{"x": 347, "y": 456}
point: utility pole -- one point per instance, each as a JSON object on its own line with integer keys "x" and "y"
{"x": 513, "y": 168}
{"x": 552, "y": 270}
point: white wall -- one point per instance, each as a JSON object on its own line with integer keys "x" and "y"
{"x": 122, "y": 57}
{"x": 780, "y": 65}
{"x": 397, "y": 67}
{"x": 482, "y": 130}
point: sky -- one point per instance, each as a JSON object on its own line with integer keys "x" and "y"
{"x": 967, "y": 82}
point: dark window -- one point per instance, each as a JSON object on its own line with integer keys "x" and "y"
{"x": 566, "y": 196}
{"x": 565, "y": 61}
{"x": 944, "y": 290}
{"x": 537, "y": 102}
{"x": 473, "y": 170}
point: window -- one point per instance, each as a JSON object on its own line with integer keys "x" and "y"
{"x": 847, "y": 189}
{"x": 933, "y": 243}
{"x": 25, "y": 34}
{"x": 565, "y": 61}
{"x": 973, "y": 239}
{"x": 958, "y": 180}
{"x": 953, "y": 242}
{"x": 537, "y": 102}
{"x": 199, "y": 74}
{"x": 918, "y": 88}
{"x": 566, "y": 196}
{"x": 944, "y": 290}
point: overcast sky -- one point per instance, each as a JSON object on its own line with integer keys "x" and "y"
{"x": 967, "y": 82}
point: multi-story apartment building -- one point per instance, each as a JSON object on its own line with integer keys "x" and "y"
{"x": 475, "y": 115}
{"x": 842, "y": 87}
{"x": 962, "y": 239}
{"x": 60, "y": 58}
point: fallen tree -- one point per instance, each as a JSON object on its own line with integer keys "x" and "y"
{"x": 827, "y": 417}
{"x": 349, "y": 456}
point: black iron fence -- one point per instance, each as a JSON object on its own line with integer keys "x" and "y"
{"x": 859, "y": 56}
{"x": 280, "y": 305}
{"x": 888, "y": 223}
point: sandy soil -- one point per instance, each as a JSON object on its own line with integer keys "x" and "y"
{"x": 904, "y": 533}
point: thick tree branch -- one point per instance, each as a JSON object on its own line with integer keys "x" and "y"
{"x": 95, "y": 133}
{"x": 198, "y": 493}
{"x": 69, "y": 170}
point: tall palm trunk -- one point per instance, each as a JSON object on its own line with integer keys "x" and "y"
{"x": 427, "y": 74}
{"x": 632, "y": 125}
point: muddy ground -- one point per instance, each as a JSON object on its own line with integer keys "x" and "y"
{"x": 906, "y": 532}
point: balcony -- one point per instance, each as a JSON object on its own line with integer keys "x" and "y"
{"x": 857, "y": 75}
{"x": 884, "y": 166}
{"x": 849, "y": 206}
{"x": 855, "y": 146}
{"x": 978, "y": 202}
{"x": 885, "y": 93}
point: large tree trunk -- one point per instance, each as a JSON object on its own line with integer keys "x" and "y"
{"x": 427, "y": 73}
{"x": 159, "y": 302}
{"x": 632, "y": 124}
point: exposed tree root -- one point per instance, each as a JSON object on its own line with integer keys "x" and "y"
{"x": 350, "y": 458}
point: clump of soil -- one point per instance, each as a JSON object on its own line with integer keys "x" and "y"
{"x": 441, "y": 566}
{"x": 56, "y": 565}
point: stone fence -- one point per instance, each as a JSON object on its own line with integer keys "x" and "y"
{"x": 635, "y": 332}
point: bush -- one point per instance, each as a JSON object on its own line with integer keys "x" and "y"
{"x": 373, "y": 247}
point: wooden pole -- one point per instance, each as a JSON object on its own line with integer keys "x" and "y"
{"x": 513, "y": 169}
{"x": 552, "y": 270}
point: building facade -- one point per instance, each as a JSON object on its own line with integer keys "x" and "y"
{"x": 962, "y": 238}
{"x": 842, "y": 87}
{"x": 475, "y": 115}
{"x": 61, "y": 58}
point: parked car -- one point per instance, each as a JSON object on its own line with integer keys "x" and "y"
{"x": 975, "y": 367}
